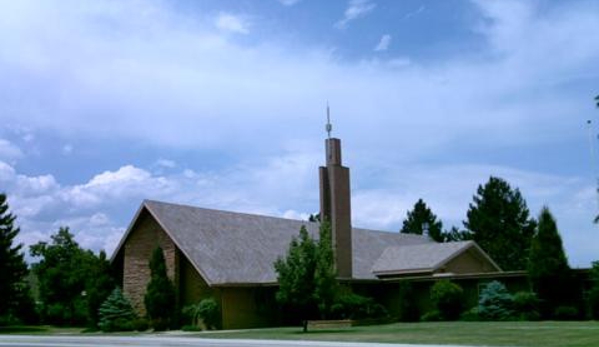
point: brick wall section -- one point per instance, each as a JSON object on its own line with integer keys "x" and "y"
{"x": 145, "y": 236}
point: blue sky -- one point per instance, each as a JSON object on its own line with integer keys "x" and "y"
{"x": 221, "y": 104}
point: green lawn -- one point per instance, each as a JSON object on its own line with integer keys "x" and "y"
{"x": 38, "y": 330}
{"x": 543, "y": 334}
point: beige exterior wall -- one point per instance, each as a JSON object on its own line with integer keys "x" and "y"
{"x": 248, "y": 307}
{"x": 145, "y": 236}
{"x": 469, "y": 262}
{"x": 193, "y": 288}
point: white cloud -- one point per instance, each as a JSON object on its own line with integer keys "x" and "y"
{"x": 231, "y": 23}
{"x": 355, "y": 9}
{"x": 9, "y": 151}
{"x": 144, "y": 63}
{"x": 384, "y": 43}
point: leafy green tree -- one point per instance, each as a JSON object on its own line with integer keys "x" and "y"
{"x": 499, "y": 222}
{"x": 99, "y": 284}
{"x": 13, "y": 270}
{"x": 307, "y": 276}
{"x": 61, "y": 279}
{"x": 160, "y": 299}
{"x": 421, "y": 217}
{"x": 73, "y": 282}
{"x": 325, "y": 274}
{"x": 116, "y": 313}
{"x": 295, "y": 275}
{"x": 548, "y": 268}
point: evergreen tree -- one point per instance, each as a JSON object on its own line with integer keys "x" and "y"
{"x": 548, "y": 266}
{"x": 325, "y": 275}
{"x": 499, "y": 222}
{"x": 422, "y": 217}
{"x": 593, "y": 294}
{"x": 160, "y": 294}
{"x": 12, "y": 266}
{"x": 116, "y": 313}
{"x": 455, "y": 234}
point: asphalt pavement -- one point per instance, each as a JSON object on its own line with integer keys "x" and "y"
{"x": 169, "y": 341}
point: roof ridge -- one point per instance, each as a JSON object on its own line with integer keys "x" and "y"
{"x": 226, "y": 211}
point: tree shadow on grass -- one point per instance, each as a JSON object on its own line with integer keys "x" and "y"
{"x": 15, "y": 329}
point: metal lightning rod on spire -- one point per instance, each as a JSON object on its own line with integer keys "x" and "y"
{"x": 329, "y": 126}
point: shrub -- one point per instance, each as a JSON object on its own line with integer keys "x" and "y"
{"x": 206, "y": 310}
{"x": 526, "y": 306}
{"x": 495, "y": 302}
{"x": 408, "y": 309}
{"x": 566, "y": 313}
{"x": 209, "y": 311}
{"x": 354, "y": 306}
{"x": 116, "y": 313}
{"x": 447, "y": 298}
{"x": 471, "y": 315}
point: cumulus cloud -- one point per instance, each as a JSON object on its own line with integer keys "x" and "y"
{"x": 384, "y": 43}
{"x": 146, "y": 73}
{"x": 355, "y": 9}
{"x": 231, "y": 23}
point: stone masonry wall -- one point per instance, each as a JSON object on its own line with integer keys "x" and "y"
{"x": 143, "y": 239}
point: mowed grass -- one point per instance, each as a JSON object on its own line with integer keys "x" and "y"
{"x": 537, "y": 334}
{"x": 38, "y": 330}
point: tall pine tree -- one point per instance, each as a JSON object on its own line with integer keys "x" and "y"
{"x": 160, "y": 299}
{"x": 422, "y": 217}
{"x": 12, "y": 266}
{"x": 499, "y": 222}
{"x": 548, "y": 266}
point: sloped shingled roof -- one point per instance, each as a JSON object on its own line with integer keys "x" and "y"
{"x": 422, "y": 258}
{"x": 238, "y": 248}
{"x": 231, "y": 248}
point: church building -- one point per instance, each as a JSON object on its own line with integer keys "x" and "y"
{"x": 229, "y": 256}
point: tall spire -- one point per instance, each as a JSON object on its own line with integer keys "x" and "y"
{"x": 329, "y": 126}
{"x": 335, "y": 204}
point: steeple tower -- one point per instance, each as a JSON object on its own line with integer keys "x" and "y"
{"x": 335, "y": 204}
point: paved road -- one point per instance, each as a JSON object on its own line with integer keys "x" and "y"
{"x": 168, "y": 341}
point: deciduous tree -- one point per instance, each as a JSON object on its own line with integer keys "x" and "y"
{"x": 307, "y": 276}
{"x": 73, "y": 282}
